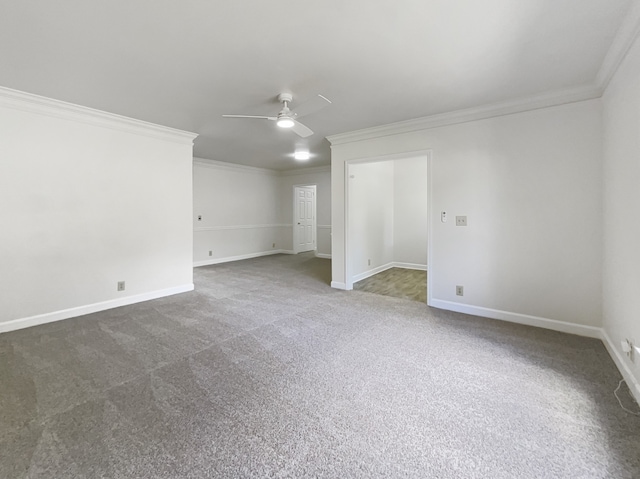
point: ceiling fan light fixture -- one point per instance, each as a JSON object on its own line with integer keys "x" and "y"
{"x": 288, "y": 119}
{"x": 301, "y": 155}
{"x": 285, "y": 122}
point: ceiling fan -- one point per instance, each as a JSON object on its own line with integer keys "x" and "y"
{"x": 288, "y": 118}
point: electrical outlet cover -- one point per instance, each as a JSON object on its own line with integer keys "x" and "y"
{"x": 626, "y": 346}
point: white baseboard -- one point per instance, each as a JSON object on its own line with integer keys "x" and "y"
{"x": 623, "y": 367}
{"x": 338, "y": 285}
{"x": 419, "y": 267}
{"x": 555, "y": 325}
{"x": 323, "y": 255}
{"x": 240, "y": 257}
{"x": 371, "y": 272}
{"x": 21, "y": 323}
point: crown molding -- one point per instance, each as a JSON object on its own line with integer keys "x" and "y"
{"x": 625, "y": 37}
{"x": 622, "y": 42}
{"x": 556, "y": 98}
{"x": 31, "y": 103}
{"x": 223, "y": 165}
{"x": 306, "y": 171}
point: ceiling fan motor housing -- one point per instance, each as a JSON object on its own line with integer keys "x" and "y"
{"x": 282, "y": 97}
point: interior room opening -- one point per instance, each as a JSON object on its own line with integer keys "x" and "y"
{"x": 388, "y": 226}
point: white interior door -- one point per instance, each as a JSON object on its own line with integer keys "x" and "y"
{"x": 305, "y": 219}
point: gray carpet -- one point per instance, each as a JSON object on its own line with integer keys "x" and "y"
{"x": 265, "y": 371}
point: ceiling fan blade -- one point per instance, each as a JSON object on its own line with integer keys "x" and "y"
{"x": 301, "y": 130}
{"x": 252, "y": 116}
{"x": 311, "y": 106}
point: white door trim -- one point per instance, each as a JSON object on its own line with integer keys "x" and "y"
{"x": 315, "y": 217}
{"x": 349, "y": 280}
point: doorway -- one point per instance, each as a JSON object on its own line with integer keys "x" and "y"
{"x": 304, "y": 218}
{"x": 388, "y": 224}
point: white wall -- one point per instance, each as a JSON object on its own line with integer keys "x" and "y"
{"x": 371, "y": 217}
{"x": 239, "y": 211}
{"x": 88, "y": 199}
{"x": 246, "y": 210}
{"x": 410, "y": 212}
{"x": 531, "y": 188}
{"x": 321, "y": 177}
{"x": 621, "y": 279}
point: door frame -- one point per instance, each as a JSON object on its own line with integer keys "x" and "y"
{"x": 428, "y": 184}
{"x": 314, "y": 226}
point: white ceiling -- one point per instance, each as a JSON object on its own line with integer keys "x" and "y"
{"x": 184, "y": 63}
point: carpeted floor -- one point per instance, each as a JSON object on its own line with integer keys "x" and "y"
{"x": 265, "y": 371}
{"x": 397, "y": 282}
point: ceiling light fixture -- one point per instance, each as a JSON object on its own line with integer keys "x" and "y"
{"x": 284, "y": 122}
{"x": 301, "y": 155}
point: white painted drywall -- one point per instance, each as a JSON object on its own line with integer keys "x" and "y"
{"x": 321, "y": 177}
{"x": 621, "y": 173}
{"x": 530, "y": 186}
{"x": 245, "y": 210}
{"x": 371, "y": 217}
{"x": 87, "y": 202}
{"x": 410, "y": 211}
{"x": 238, "y": 207}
